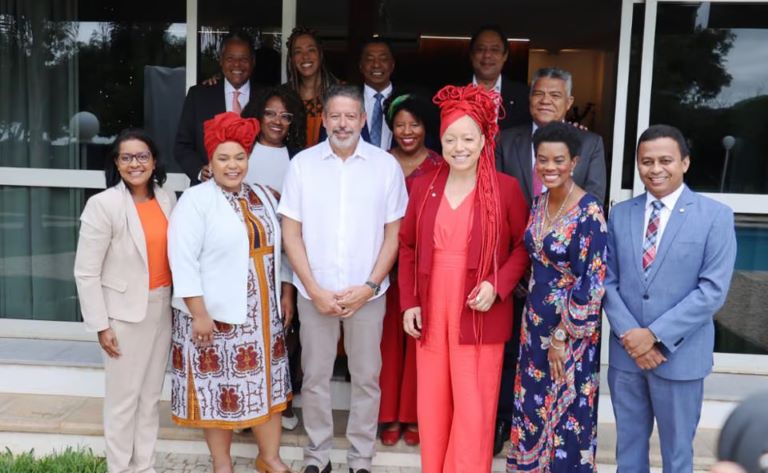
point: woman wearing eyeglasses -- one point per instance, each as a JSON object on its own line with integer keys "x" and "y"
{"x": 124, "y": 285}
{"x": 282, "y": 135}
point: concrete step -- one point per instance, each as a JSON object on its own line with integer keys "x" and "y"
{"x": 48, "y": 422}
{"x": 68, "y": 375}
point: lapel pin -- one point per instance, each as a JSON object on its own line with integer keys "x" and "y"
{"x": 682, "y": 210}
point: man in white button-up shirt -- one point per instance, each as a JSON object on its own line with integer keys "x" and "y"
{"x": 342, "y": 203}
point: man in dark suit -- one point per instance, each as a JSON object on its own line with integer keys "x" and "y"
{"x": 488, "y": 51}
{"x": 376, "y": 65}
{"x": 550, "y": 99}
{"x": 203, "y": 102}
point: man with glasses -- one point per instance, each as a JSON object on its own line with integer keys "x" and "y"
{"x": 488, "y": 52}
{"x": 203, "y": 102}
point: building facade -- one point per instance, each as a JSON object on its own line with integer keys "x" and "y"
{"x": 75, "y": 72}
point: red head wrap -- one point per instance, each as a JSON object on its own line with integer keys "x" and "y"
{"x": 228, "y": 126}
{"x": 482, "y": 106}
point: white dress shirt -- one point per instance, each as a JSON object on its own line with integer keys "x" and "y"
{"x": 243, "y": 98}
{"x": 343, "y": 206}
{"x": 496, "y": 86}
{"x": 669, "y": 201}
{"x": 370, "y": 100}
{"x": 268, "y": 165}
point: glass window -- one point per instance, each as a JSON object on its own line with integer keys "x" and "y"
{"x": 76, "y": 72}
{"x": 710, "y": 79}
{"x": 740, "y": 325}
{"x": 262, "y": 20}
{"x": 38, "y": 238}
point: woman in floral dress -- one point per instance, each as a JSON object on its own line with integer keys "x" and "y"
{"x": 555, "y": 422}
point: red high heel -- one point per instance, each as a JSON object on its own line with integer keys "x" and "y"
{"x": 390, "y": 437}
{"x": 411, "y": 435}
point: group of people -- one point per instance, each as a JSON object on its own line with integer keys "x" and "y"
{"x": 458, "y": 246}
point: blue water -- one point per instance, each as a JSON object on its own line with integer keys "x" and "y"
{"x": 752, "y": 254}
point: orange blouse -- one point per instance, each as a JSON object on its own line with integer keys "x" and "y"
{"x": 155, "y": 226}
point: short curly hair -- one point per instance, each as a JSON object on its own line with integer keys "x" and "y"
{"x": 297, "y": 131}
{"x": 421, "y": 108}
{"x": 558, "y": 132}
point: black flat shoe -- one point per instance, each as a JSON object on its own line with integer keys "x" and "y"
{"x": 500, "y": 435}
{"x": 316, "y": 469}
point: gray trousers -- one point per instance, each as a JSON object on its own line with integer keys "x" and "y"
{"x": 362, "y": 341}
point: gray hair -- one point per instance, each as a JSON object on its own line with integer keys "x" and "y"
{"x": 554, "y": 73}
{"x": 344, "y": 90}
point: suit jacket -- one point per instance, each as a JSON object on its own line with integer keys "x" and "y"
{"x": 417, "y": 235}
{"x": 514, "y": 97}
{"x": 365, "y": 134}
{"x": 209, "y": 255}
{"x": 688, "y": 282}
{"x": 203, "y": 102}
{"x": 514, "y": 157}
{"x": 111, "y": 270}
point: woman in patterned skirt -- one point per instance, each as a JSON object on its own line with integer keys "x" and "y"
{"x": 554, "y": 426}
{"x": 230, "y": 368}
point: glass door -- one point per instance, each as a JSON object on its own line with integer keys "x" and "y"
{"x": 703, "y": 67}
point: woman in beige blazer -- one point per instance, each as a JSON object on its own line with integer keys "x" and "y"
{"x": 124, "y": 285}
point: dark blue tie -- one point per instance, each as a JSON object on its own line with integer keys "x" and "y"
{"x": 376, "y": 121}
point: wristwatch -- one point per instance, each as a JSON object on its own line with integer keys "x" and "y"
{"x": 376, "y": 288}
{"x": 559, "y": 334}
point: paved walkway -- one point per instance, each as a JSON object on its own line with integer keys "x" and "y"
{"x": 174, "y": 463}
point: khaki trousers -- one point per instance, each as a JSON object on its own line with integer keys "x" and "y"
{"x": 362, "y": 339}
{"x": 134, "y": 382}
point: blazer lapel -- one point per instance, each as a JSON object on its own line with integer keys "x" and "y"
{"x": 426, "y": 229}
{"x": 134, "y": 224}
{"x": 524, "y": 158}
{"x": 676, "y": 221}
{"x": 163, "y": 201}
{"x": 637, "y": 233}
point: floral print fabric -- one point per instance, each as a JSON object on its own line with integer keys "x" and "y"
{"x": 554, "y": 427}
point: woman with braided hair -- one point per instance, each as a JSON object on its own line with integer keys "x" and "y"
{"x": 461, "y": 255}
{"x": 309, "y": 77}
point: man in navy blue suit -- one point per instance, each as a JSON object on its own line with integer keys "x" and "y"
{"x": 671, "y": 254}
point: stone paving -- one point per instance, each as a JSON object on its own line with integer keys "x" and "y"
{"x": 176, "y": 463}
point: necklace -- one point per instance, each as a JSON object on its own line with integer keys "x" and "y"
{"x": 545, "y": 223}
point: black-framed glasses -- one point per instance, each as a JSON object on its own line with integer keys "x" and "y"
{"x": 284, "y": 117}
{"x": 142, "y": 158}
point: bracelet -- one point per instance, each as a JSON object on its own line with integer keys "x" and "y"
{"x": 558, "y": 348}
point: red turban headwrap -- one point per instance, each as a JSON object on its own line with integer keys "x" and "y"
{"x": 228, "y": 126}
{"x": 482, "y": 106}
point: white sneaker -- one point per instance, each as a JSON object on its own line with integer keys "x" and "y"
{"x": 290, "y": 423}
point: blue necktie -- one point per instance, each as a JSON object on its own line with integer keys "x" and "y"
{"x": 376, "y": 121}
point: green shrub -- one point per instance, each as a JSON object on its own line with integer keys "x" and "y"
{"x": 68, "y": 461}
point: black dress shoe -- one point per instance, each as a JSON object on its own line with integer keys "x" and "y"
{"x": 316, "y": 469}
{"x": 500, "y": 435}
{"x": 361, "y": 470}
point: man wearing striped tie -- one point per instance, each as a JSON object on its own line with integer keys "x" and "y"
{"x": 671, "y": 254}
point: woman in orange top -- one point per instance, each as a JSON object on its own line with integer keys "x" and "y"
{"x": 309, "y": 77}
{"x": 124, "y": 284}
{"x": 461, "y": 255}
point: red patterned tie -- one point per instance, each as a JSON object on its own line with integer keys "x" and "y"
{"x": 651, "y": 234}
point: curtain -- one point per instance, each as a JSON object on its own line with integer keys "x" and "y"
{"x": 38, "y": 98}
